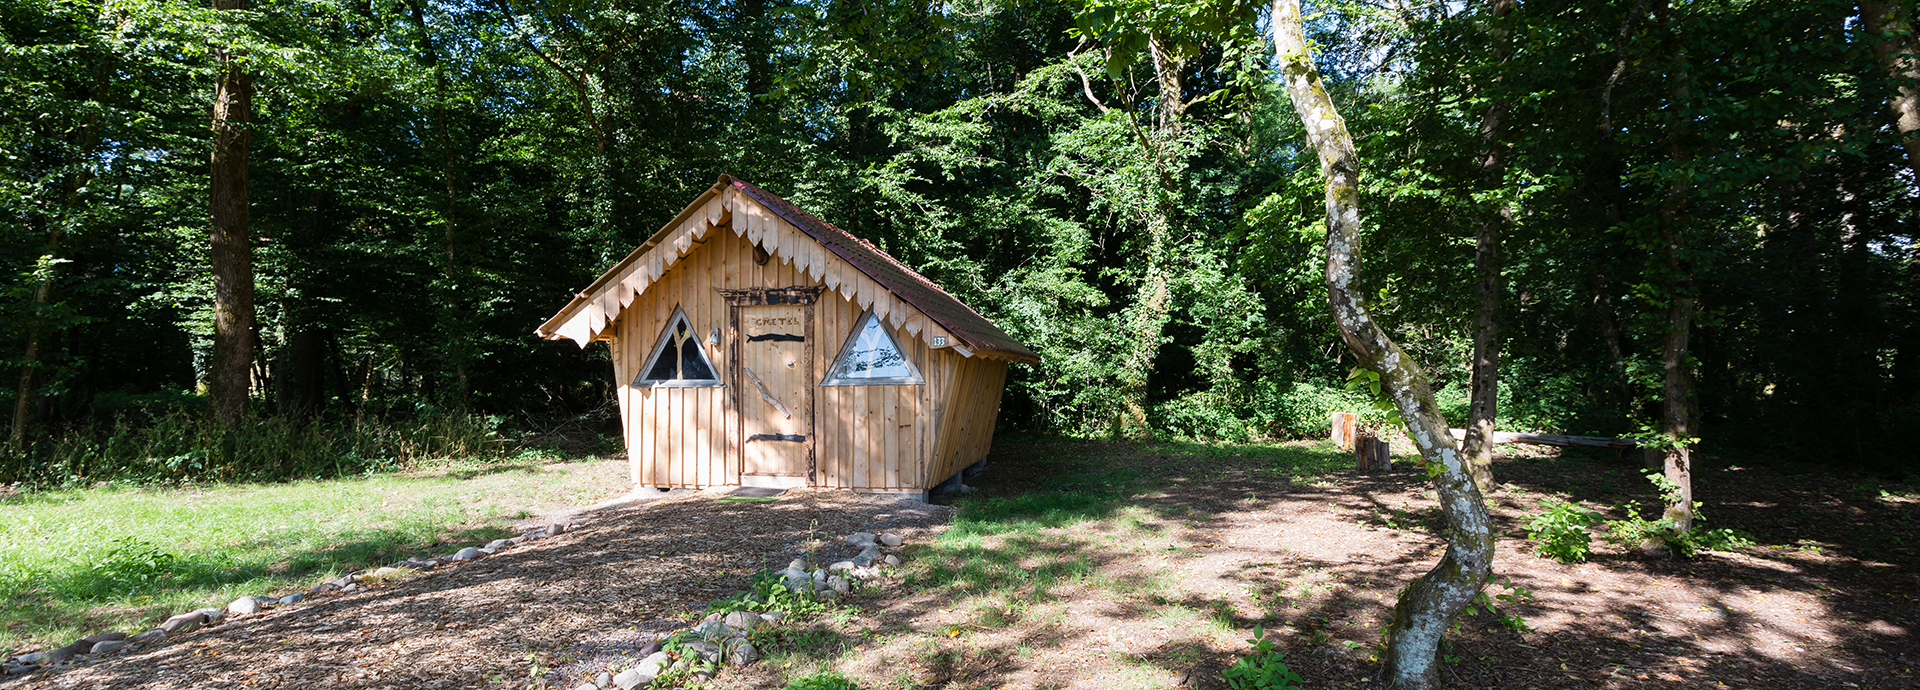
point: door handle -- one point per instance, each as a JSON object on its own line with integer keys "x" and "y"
{"x": 764, "y": 395}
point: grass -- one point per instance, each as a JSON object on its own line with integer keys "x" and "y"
{"x": 74, "y": 562}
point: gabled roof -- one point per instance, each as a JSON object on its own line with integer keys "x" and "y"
{"x": 878, "y": 281}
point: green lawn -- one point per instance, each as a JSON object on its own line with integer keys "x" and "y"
{"x": 79, "y": 561}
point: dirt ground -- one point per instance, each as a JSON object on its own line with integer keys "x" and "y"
{"x": 552, "y": 611}
{"x": 1161, "y": 589}
{"x": 1318, "y": 564}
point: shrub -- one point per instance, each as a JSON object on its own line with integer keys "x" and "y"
{"x": 1560, "y": 532}
{"x": 1264, "y": 669}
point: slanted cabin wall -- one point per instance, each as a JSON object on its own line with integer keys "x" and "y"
{"x": 883, "y": 438}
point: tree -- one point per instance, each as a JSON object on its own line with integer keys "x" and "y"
{"x": 230, "y": 364}
{"x": 1484, "y": 382}
{"x": 1428, "y": 606}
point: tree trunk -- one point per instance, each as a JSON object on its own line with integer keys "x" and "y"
{"x": 1890, "y": 24}
{"x": 1429, "y": 605}
{"x": 229, "y": 367}
{"x": 1485, "y": 386}
{"x": 454, "y": 311}
{"x": 1676, "y": 418}
{"x": 1147, "y": 318}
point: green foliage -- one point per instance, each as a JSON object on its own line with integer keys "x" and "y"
{"x": 824, "y": 680}
{"x": 1513, "y": 596}
{"x": 768, "y": 592}
{"x": 1635, "y": 530}
{"x": 133, "y": 565}
{"x": 1264, "y": 669}
{"x": 1559, "y": 532}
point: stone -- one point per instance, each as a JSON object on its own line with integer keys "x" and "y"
{"x": 743, "y": 621}
{"x": 773, "y": 616}
{"x": 586, "y": 686}
{"x": 213, "y": 615}
{"x": 522, "y": 539}
{"x": 890, "y": 539}
{"x": 555, "y": 529}
{"x": 649, "y": 649}
{"x": 712, "y": 630}
{"x": 632, "y": 678}
{"x": 743, "y": 654}
{"x": 184, "y": 623}
{"x": 860, "y": 539}
{"x": 842, "y": 565}
{"x": 244, "y": 606}
{"x": 829, "y": 595}
{"x": 819, "y": 578}
{"x": 604, "y": 680}
{"x": 488, "y": 550}
{"x": 108, "y": 647}
{"x": 891, "y": 560}
{"x": 104, "y": 637}
{"x": 797, "y": 564}
{"x": 323, "y": 588}
{"x": 349, "y": 588}
{"x": 652, "y": 666}
{"x": 499, "y": 544}
{"x": 68, "y": 652}
{"x": 838, "y": 584}
{"x": 294, "y": 598}
{"x": 706, "y": 649}
{"x": 862, "y": 560}
{"x": 154, "y": 635}
{"x": 386, "y": 572}
{"x": 466, "y": 554}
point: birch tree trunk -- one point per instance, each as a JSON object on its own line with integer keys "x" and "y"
{"x": 229, "y": 371}
{"x": 1429, "y": 605}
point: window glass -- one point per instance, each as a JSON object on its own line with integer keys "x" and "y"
{"x": 872, "y": 355}
{"x": 678, "y": 357}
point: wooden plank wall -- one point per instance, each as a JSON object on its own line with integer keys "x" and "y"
{"x": 972, "y": 405}
{"x": 873, "y": 438}
{"x": 876, "y": 438}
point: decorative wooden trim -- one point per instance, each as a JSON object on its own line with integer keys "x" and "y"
{"x": 860, "y": 324}
{"x": 660, "y": 343}
{"x": 804, "y": 295}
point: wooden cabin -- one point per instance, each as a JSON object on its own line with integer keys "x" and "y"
{"x": 756, "y": 345}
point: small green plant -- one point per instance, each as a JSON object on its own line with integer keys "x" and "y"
{"x": 1636, "y": 530}
{"x": 1514, "y": 595}
{"x": 1560, "y": 531}
{"x": 1264, "y": 669}
{"x": 769, "y": 592}
{"x": 134, "y": 566}
{"x": 824, "y": 680}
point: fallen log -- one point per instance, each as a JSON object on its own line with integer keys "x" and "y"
{"x": 1553, "y": 439}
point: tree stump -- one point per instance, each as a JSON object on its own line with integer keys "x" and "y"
{"x": 1343, "y": 430}
{"x": 1372, "y": 453}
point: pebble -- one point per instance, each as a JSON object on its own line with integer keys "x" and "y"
{"x": 522, "y": 539}
{"x": 213, "y": 615}
{"x": 383, "y": 572}
{"x": 466, "y": 554}
{"x": 647, "y": 651}
{"x": 107, "y": 647}
{"x": 797, "y": 564}
{"x": 838, "y": 584}
{"x": 154, "y": 635}
{"x": 587, "y": 686}
{"x": 604, "y": 680}
{"x": 184, "y": 623}
{"x": 890, "y": 539}
{"x": 555, "y": 529}
{"x": 498, "y": 544}
{"x": 860, "y": 539}
{"x": 862, "y": 560}
{"x": 294, "y": 598}
{"x": 842, "y": 565}
{"x": 244, "y": 606}
{"x": 712, "y": 630}
{"x": 892, "y": 560}
{"x": 773, "y": 616}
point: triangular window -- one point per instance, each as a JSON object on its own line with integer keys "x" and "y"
{"x": 872, "y": 357}
{"x": 678, "y": 360}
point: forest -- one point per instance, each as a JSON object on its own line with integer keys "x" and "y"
{"x": 290, "y": 237}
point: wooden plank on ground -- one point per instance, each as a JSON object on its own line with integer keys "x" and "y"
{"x": 1500, "y": 437}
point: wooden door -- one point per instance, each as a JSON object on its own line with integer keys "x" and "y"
{"x": 775, "y": 394}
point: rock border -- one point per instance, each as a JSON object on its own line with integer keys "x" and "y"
{"x": 722, "y": 638}
{"x": 100, "y": 646}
